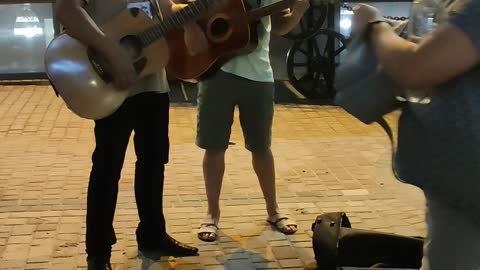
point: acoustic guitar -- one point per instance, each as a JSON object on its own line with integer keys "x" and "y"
{"x": 83, "y": 79}
{"x": 229, "y": 32}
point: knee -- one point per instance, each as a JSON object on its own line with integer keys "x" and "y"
{"x": 105, "y": 170}
{"x": 261, "y": 153}
{"x": 214, "y": 155}
{"x": 150, "y": 165}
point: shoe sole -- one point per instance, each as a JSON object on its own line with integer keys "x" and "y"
{"x": 156, "y": 255}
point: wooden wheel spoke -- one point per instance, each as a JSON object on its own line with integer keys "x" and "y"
{"x": 314, "y": 70}
{"x": 302, "y": 50}
{"x": 340, "y": 50}
{"x": 316, "y": 48}
{"x": 300, "y": 64}
{"x": 315, "y": 82}
{"x": 307, "y": 75}
{"x": 325, "y": 48}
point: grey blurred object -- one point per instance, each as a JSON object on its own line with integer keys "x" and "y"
{"x": 425, "y": 16}
{"x": 363, "y": 90}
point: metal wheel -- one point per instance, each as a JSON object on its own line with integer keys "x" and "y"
{"x": 311, "y": 63}
{"x": 311, "y": 22}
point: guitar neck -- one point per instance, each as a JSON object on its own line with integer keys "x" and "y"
{"x": 256, "y": 14}
{"x": 174, "y": 21}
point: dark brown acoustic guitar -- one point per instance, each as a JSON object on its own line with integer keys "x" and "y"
{"x": 229, "y": 32}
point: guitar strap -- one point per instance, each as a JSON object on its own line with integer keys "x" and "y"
{"x": 258, "y": 4}
{"x": 156, "y": 8}
{"x": 86, "y": 5}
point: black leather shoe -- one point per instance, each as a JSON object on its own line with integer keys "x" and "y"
{"x": 99, "y": 264}
{"x": 168, "y": 247}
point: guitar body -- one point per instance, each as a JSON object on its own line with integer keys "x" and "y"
{"x": 82, "y": 78}
{"x": 229, "y": 32}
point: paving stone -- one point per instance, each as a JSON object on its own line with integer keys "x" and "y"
{"x": 239, "y": 264}
{"x": 20, "y": 239}
{"x": 207, "y": 261}
{"x": 325, "y": 161}
{"x": 355, "y": 192}
{"x": 41, "y": 265}
{"x": 16, "y": 252}
{"x": 262, "y": 255}
{"x": 267, "y": 265}
{"x": 214, "y": 267}
{"x": 290, "y": 263}
{"x": 12, "y": 264}
{"x": 284, "y": 252}
{"x": 280, "y": 243}
{"x": 255, "y": 242}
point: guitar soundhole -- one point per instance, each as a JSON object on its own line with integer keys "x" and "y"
{"x": 219, "y": 28}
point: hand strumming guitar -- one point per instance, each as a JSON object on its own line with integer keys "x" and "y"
{"x": 123, "y": 72}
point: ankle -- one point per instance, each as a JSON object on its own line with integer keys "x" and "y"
{"x": 98, "y": 258}
{"x": 98, "y": 263}
{"x": 214, "y": 214}
{"x": 273, "y": 211}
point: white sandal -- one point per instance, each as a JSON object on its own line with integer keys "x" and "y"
{"x": 209, "y": 225}
{"x": 282, "y": 223}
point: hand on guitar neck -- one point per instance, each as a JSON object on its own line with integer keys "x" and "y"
{"x": 299, "y": 6}
{"x": 284, "y": 22}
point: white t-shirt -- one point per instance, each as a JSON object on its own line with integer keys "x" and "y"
{"x": 255, "y": 66}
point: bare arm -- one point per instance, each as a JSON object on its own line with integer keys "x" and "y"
{"x": 80, "y": 26}
{"x": 284, "y": 22}
{"x": 447, "y": 53}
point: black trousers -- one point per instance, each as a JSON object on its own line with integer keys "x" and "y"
{"x": 147, "y": 114}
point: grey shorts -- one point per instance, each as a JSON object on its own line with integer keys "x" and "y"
{"x": 217, "y": 98}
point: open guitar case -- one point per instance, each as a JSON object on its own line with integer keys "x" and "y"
{"x": 337, "y": 246}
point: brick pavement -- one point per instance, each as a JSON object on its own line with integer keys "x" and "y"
{"x": 326, "y": 161}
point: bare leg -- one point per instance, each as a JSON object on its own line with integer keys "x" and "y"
{"x": 213, "y": 170}
{"x": 264, "y": 166}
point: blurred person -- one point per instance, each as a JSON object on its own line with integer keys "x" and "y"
{"x": 438, "y": 142}
{"x": 146, "y": 112}
{"x": 247, "y": 81}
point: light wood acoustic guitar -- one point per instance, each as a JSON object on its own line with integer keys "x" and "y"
{"x": 230, "y": 31}
{"x": 83, "y": 79}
